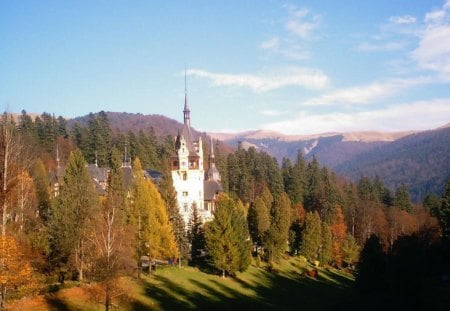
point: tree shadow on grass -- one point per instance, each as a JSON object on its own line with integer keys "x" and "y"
{"x": 276, "y": 291}
{"x": 56, "y": 303}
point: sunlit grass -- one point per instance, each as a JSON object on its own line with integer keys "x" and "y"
{"x": 285, "y": 287}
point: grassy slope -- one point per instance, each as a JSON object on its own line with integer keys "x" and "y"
{"x": 188, "y": 288}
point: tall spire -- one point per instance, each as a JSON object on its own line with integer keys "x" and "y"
{"x": 57, "y": 156}
{"x": 211, "y": 155}
{"x": 187, "y": 110}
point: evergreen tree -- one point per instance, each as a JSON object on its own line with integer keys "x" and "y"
{"x": 196, "y": 237}
{"x": 227, "y": 238}
{"x": 42, "y": 186}
{"x": 444, "y": 213}
{"x": 312, "y": 236}
{"x": 402, "y": 198}
{"x": 372, "y": 267}
{"x": 277, "y": 237}
{"x": 71, "y": 215}
{"x": 179, "y": 227}
{"x": 326, "y": 249}
{"x": 350, "y": 250}
{"x": 258, "y": 221}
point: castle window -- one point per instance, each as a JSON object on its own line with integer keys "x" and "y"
{"x": 185, "y": 206}
{"x": 185, "y": 193}
{"x": 184, "y": 176}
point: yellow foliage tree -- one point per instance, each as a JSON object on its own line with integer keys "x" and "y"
{"x": 14, "y": 270}
{"x": 339, "y": 233}
{"x": 154, "y": 232}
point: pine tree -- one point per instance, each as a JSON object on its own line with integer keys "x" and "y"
{"x": 326, "y": 249}
{"x": 350, "y": 250}
{"x": 312, "y": 236}
{"x": 277, "y": 237}
{"x": 444, "y": 214}
{"x": 258, "y": 221}
{"x": 196, "y": 236}
{"x": 179, "y": 227}
{"x": 402, "y": 198}
{"x": 226, "y": 236}
{"x": 72, "y": 214}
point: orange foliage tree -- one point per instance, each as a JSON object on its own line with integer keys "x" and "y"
{"x": 339, "y": 233}
{"x": 14, "y": 270}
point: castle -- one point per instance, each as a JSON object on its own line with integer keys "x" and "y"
{"x": 194, "y": 188}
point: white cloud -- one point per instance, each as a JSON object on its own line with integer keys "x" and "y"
{"x": 419, "y": 115}
{"x": 385, "y": 47}
{"x": 301, "y": 22}
{"x": 271, "y": 43}
{"x": 405, "y": 19}
{"x": 433, "y": 52}
{"x": 267, "y": 81}
{"x": 272, "y": 112}
{"x": 366, "y": 94}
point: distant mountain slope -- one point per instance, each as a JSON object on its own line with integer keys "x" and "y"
{"x": 124, "y": 122}
{"x": 135, "y": 122}
{"x": 421, "y": 160}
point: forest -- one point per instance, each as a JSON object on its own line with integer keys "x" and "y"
{"x": 59, "y": 224}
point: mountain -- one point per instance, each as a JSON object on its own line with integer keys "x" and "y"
{"x": 161, "y": 126}
{"x": 421, "y": 160}
{"x": 135, "y": 122}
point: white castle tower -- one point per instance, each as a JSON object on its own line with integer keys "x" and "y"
{"x": 187, "y": 170}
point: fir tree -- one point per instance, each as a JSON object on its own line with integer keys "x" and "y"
{"x": 72, "y": 214}
{"x": 326, "y": 249}
{"x": 196, "y": 237}
{"x": 277, "y": 237}
{"x": 312, "y": 236}
{"x": 226, "y": 236}
{"x": 402, "y": 198}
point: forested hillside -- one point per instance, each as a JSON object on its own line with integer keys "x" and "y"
{"x": 421, "y": 161}
{"x": 61, "y": 221}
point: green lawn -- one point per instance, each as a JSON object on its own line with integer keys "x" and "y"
{"x": 255, "y": 289}
{"x": 287, "y": 287}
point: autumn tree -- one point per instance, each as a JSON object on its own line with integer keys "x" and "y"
{"x": 339, "y": 232}
{"x": 10, "y": 165}
{"x": 14, "y": 269}
{"x": 227, "y": 242}
{"x": 110, "y": 234}
{"x": 71, "y": 216}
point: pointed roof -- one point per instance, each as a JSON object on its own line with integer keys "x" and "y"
{"x": 213, "y": 172}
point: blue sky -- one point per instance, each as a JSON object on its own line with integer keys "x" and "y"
{"x": 297, "y": 67}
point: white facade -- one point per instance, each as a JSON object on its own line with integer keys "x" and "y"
{"x": 188, "y": 174}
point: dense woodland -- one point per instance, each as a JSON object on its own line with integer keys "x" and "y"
{"x": 268, "y": 210}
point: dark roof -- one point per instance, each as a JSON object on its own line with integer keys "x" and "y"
{"x": 127, "y": 176}
{"x": 154, "y": 175}
{"x": 98, "y": 173}
{"x": 212, "y": 188}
